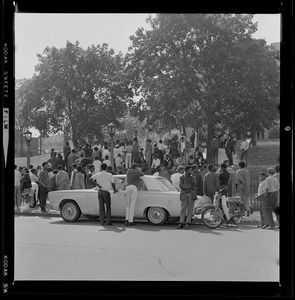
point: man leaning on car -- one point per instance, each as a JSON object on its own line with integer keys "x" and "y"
{"x": 105, "y": 182}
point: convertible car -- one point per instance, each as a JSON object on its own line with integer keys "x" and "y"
{"x": 158, "y": 201}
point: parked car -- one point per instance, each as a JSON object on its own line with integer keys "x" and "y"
{"x": 158, "y": 201}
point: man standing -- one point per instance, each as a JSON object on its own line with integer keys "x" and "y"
{"x": 186, "y": 185}
{"x": 243, "y": 182}
{"x": 105, "y": 182}
{"x": 71, "y": 160}
{"x": 229, "y": 149}
{"x": 97, "y": 164}
{"x": 66, "y": 152}
{"x": 133, "y": 176}
{"x": 198, "y": 180}
{"x": 90, "y": 173}
{"x": 232, "y": 173}
{"x": 265, "y": 222}
{"x": 44, "y": 185}
{"x": 17, "y": 189}
{"x": 128, "y": 155}
{"x": 215, "y": 148}
{"x": 211, "y": 183}
{"x": 192, "y": 139}
{"x": 134, "y": 151}
{"x": 62, "y": 179}
{"x": 272, "y": 187}
{"x": 224, "y": 178}
{"x": 182, "y": 148}
{"x": 175, "y": 178}
{"x": 244, "y": 151}
{"x": 148, "y": 152}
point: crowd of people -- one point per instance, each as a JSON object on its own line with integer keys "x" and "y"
{"x": 80, "y": 166}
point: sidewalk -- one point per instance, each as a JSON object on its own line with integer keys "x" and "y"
{"x": 25, "y": 209}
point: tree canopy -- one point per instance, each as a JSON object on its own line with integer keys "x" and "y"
{"x": 75, "y": 90}
{"x": 194, "y": 69}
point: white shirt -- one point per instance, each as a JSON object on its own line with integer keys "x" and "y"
{"x": 182, "y": 146}
{"x": 116, "y": 152}
{"x": 34, "y": 178}
{"x": 104, "y": 179}
{"x": 17, "y": 177}
{"x": 244, "y": 145}
{"x": 272, "y": 184}
{"x": 105, "y": 152}
{"x": 160, "y": 146}
{"x": 97, "y": 165}
{"x": 118, "y": 161}
{"x": 261, "y": 188}
{"x": 156, "y": 162}
{"x": 108, "y": 162}
{"x": 175, "y": 178}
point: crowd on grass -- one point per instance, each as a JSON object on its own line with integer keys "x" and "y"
{"x": 78, "y": 165}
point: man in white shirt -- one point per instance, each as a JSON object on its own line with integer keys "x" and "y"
{"x": 155, "y": 163}
{"x": 272, "y": 187}
{"x": 107, "y": 161}
{"x": 106, "y": 183}
{"x": 262, "y": 201}
{"x": 96, "y": 164}
{"x": 34, "y": 181}
{"x": 244, "y": 150}
{"x": 175, "y": 178}
{"x": 17, "y": 191}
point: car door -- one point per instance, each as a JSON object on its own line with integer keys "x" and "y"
{"x": 119, "y": 200}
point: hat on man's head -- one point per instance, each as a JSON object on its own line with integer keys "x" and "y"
{"x": 180, "y": 167}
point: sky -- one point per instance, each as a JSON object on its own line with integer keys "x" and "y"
{"x": 34, "y": 32}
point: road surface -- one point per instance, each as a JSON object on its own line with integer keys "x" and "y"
{"x": 48, "y": 248}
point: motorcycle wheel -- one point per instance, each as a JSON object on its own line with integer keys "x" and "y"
{"x": 237, "y": 216}
{"x": 210, "y": 218}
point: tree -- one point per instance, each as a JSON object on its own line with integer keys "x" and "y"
{"x": 77, "y": 91}
{"x": 185, "y": 68}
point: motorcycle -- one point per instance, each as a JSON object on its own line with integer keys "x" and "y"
{"x": 222, "y": 210}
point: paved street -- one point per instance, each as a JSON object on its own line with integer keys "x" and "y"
{"x": 48, "y": 248}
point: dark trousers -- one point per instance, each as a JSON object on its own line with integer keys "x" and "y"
{"x": 229, "y": 155}
{"x": 271, "y": 206}
{"x": 104, "y": 200}
{"x": 244, "y": 154}
{"x": 43, "y": 196}
{"x": 263, "y": 211}
{"x": 215, "y": 156}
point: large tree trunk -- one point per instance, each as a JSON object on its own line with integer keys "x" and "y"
{"x": 209, "y": 138}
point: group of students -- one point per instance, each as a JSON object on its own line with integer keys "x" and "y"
{"x": 189, "y": 181}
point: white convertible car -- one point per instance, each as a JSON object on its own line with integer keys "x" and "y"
{"x": 158, "y": 201}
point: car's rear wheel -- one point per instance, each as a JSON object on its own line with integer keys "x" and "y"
{"x": 157, "y": 215}
{"x": 70, "y": 211}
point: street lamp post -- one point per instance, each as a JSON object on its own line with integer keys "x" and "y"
{"x": 111, "y": 132}
{"x": 28, "y": 138}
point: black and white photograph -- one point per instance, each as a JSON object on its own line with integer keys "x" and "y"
{"x": 147, "y": 147}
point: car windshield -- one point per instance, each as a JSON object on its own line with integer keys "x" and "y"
{"x": 166, "y": 184}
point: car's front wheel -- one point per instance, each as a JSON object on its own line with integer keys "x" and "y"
{"x": 70, "y": 211}
{"x": 157, "y": 215}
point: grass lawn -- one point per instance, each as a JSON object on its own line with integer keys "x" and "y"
{"x": 34, "y": 160}
{"x": 261, "y": 157}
